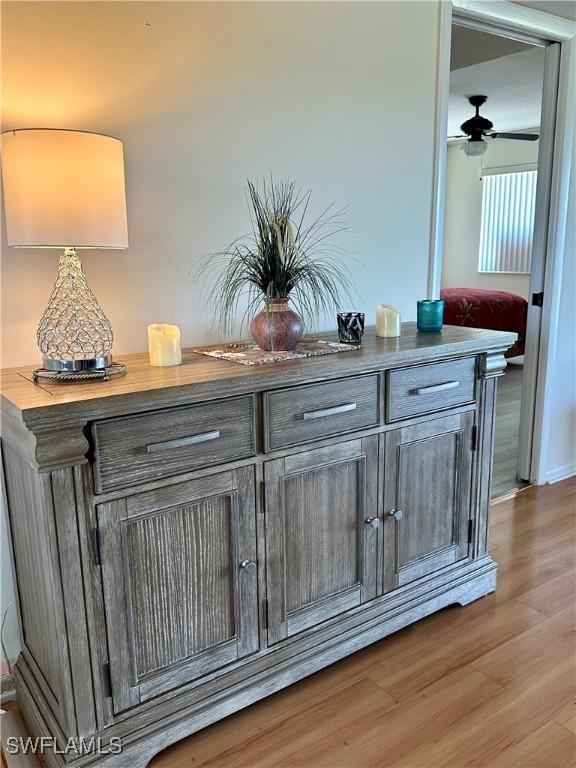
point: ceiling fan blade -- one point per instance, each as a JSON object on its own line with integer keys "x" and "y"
{"x": 517, "y": 136}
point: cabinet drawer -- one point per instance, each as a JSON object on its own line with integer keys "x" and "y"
{"x": 315, "y": 411}
{"x": 428, "y": 388}
{"x": 141, "y": 448}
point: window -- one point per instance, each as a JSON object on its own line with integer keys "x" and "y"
{"x": 507, "y": 221}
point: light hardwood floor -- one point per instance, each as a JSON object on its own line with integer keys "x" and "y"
{"x": 507, "y": 431}
{"x": 490, "y": 685}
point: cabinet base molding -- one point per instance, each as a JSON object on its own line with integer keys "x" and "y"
{"x": 142, "y": 737}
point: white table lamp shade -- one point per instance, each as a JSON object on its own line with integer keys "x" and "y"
{"x": 64, "y": 189}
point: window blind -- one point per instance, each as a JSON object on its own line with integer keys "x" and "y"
{"x": 508, "y": 201}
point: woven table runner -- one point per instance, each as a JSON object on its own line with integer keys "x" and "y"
{"x": 248, "y": 353}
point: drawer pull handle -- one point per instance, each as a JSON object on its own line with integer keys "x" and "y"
{"x": 167, "y": 445}
{"x": 335, "y": 410}
{"x": 248, "y": 566}
{"x": 436, "y": 388}
{"x": 373, "y": 522}
{"x": 397, "y": 514}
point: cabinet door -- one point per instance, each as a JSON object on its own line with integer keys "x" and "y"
{"x": 427, "y": 485}
{"x": 180, "y": 586}
{"x": 321, "y": 554}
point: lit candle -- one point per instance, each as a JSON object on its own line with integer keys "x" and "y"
{"x": 164, "y": 344}
{"x": 387, "y": 321}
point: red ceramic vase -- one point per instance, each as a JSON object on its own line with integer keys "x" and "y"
{"x": 277, "y": 328}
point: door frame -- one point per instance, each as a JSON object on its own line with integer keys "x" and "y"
{"x": 559, "y": 103}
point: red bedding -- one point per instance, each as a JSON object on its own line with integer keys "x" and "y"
{"x": 479, "y": 308}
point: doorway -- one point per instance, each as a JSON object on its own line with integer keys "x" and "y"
{"x": 493, "y": 138}
{"x": 557, "y": 37}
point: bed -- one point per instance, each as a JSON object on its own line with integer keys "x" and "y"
{"x": 479, "y": 308}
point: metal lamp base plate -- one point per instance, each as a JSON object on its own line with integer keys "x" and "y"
{"x": 75, "y": 366}
{"x": 79, "y": 373}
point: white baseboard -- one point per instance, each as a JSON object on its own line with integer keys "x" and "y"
{"x": 560, "y": 473}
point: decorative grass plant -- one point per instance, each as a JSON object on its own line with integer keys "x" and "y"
{"x": 284, "y": 257}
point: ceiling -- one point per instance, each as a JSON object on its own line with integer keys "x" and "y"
{"x": 512, "y": 83}
{"x": 471, "y": 46}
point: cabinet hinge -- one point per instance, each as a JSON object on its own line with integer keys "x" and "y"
{"x": 96, "y": 546}
{"x": 470, "y": 530}
{"x": 107, "y": 680}
{"x": 474, "y": 437}
{"x": 538, "y": 299}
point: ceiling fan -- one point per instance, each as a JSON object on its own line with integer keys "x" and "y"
{"x": 477, "y": 128}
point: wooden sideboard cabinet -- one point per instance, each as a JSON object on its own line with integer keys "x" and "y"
{"x": 189, "y": 540}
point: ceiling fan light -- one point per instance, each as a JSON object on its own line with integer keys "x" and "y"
{"x": 475, "y": 147}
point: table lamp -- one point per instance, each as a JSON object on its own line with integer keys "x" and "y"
{"x": 65, "y": 189}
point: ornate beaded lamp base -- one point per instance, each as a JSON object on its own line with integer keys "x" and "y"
{"x": 74, "y": 335}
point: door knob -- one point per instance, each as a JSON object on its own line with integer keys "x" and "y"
{"x": 249, "y": 566}
{"x": 373, "y": 522}
{"x": 397, "y": 514}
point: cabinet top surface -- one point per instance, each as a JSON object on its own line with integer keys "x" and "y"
{"x": 201, "y": 377}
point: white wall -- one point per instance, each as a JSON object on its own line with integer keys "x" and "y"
{"x": 564, "y": 8}
{"x": 464, "y": 212}
{"x": 339, "y": 96}
{"x": 562, "y": 442}
{"x": 208, "y": 95}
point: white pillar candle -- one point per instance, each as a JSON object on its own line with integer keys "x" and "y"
{"x": 387, "y": 321}
{"x": 164, "y": 344}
